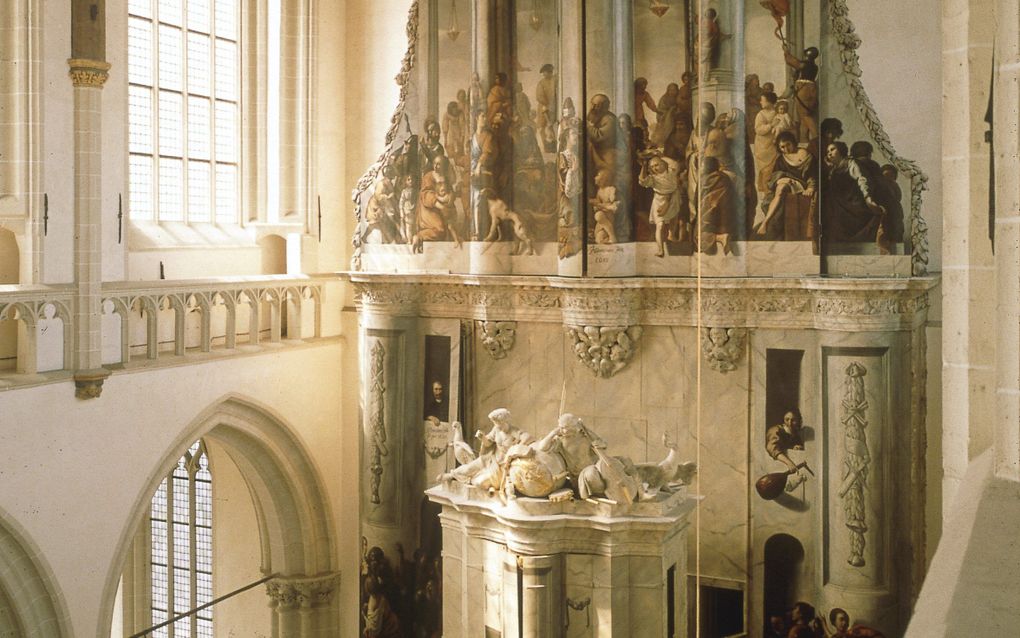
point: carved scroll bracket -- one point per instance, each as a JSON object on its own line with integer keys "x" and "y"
{"x": 723, "y": 347}
{"x": 498, "y": 337}
{"x": 604, "y": 350}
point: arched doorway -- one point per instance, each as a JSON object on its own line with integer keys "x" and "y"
{"x": 784, "y": 563}
{"x": 30, "y": 604}
{"x": 290, "y": 511}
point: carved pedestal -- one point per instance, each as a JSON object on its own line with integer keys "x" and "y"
{"x": 537, "y": 568}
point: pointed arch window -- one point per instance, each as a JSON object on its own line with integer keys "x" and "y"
{"x": 181, "y": 558}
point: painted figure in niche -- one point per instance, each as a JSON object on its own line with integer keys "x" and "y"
{"x": 381, "y": 211}
{"x": 841, "y": 627}
{"x": 790, "y": 194}
{"x": 437, "y": 403}
{"x": 643, "y": 98}
{"x": 547, "y": 99}
{"x": 860, "y": 205}
{"x": 499, "y": 212}
{"x": 780, "y": 439}
{"x": 455, "y": 130}
{"x": 805, "y": 90}
{"x": 662, "y": 175}
{"x": 605, "y": 205}
{"x": 764, "y": 147}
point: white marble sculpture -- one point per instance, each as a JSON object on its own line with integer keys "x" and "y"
{"x": 511, "y": 463}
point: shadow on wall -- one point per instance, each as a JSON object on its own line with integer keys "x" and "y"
{"x": 274, "y": 255}
{"x": 10, "y": 258}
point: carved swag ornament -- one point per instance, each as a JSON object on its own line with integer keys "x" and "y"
{"x": 604, "y": 350}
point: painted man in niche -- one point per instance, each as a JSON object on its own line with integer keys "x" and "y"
{"x": 783, "y": 437}
{"x": 437, "y": 404}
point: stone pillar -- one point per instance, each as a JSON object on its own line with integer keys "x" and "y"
{"x": 570, "y": 156}
{"x": 1007, "y": 241}
{"x": 295, "y": 92}
{"x": 301, "y": 606}
{"x": 392, "y": 449}
{"x": 968, "y": 273}
{"x": 541, "y": 595}
{"x": 88, "y": 72}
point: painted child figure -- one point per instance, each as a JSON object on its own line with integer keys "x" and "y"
{"x": 606, "y": 202}
{"x": 662, "y": 175}
{"x": 783, "y": 121}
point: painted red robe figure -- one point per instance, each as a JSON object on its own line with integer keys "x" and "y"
{"x": 778, "y": 8}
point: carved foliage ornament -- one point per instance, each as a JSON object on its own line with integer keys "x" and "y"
{"x": 379, "y": 448}
{"x": 604, "y": 350}
{"x": 88, "y": 73}
{"x": 723, "y": 347}
{"x": 498, "y": 337}
{"x": 855, "y": 461}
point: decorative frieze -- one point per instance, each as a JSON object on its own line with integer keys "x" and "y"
{"x": 849, "y": 305}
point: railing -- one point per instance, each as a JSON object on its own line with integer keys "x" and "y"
{"x": 145, "y": 321}
{"x": 209, "y": 604}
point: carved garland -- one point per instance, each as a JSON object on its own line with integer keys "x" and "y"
{"x": 849, "y": 42}
{"x": 604, "y": 350}
{"x": 403, "y": 81}
{"x": 379, "y": 448}
{"x": 856, "y": 460}
{"x": 498, "y": 337}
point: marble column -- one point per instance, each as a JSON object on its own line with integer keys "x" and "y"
{"x": 541, "y": 595}
{"x": 88, "y": 72}
{"x": 391, "y": 442}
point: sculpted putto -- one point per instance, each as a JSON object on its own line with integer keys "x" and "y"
{"x": 511, "y": 463}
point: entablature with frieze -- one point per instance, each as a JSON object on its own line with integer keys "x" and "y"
{"x": 840, "y": 304}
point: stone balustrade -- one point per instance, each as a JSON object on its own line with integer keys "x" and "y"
{"x": 156, "y": 320}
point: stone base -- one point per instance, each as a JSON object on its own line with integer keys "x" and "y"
{"x": 534, "y": 567}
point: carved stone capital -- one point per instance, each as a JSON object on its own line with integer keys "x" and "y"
{"x": 305, "y": 592}
{"x": 88, "y": 73}
{"x": 88, "y": 384}
{"x": 723, "y": 347}
{"x": 604, "y": 350}
{"x": 498, "y": 337}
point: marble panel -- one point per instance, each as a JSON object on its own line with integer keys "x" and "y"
{"x": 490, "y": 258}
{"x": 647, "y": 611}
{"x": 612, "y": 260}
{"x": 868, "y": 265}
{"x": 782, "y": 259}
{"x": 667, "y": 363}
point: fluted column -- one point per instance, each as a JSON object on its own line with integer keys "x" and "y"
{"x": 88, "y": 72}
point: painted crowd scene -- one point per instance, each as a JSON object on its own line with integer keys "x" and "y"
{"x": 706, "y": 128}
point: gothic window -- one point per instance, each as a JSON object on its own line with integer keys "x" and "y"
{"x": 181, "y": 558}
{"x": 184, "y": 118}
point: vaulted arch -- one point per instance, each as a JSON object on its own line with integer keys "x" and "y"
{"x": 292, "y": 512}
{"x": 34, "y": 605}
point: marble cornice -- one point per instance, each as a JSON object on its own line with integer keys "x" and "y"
{"x": 842, "y": 304}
